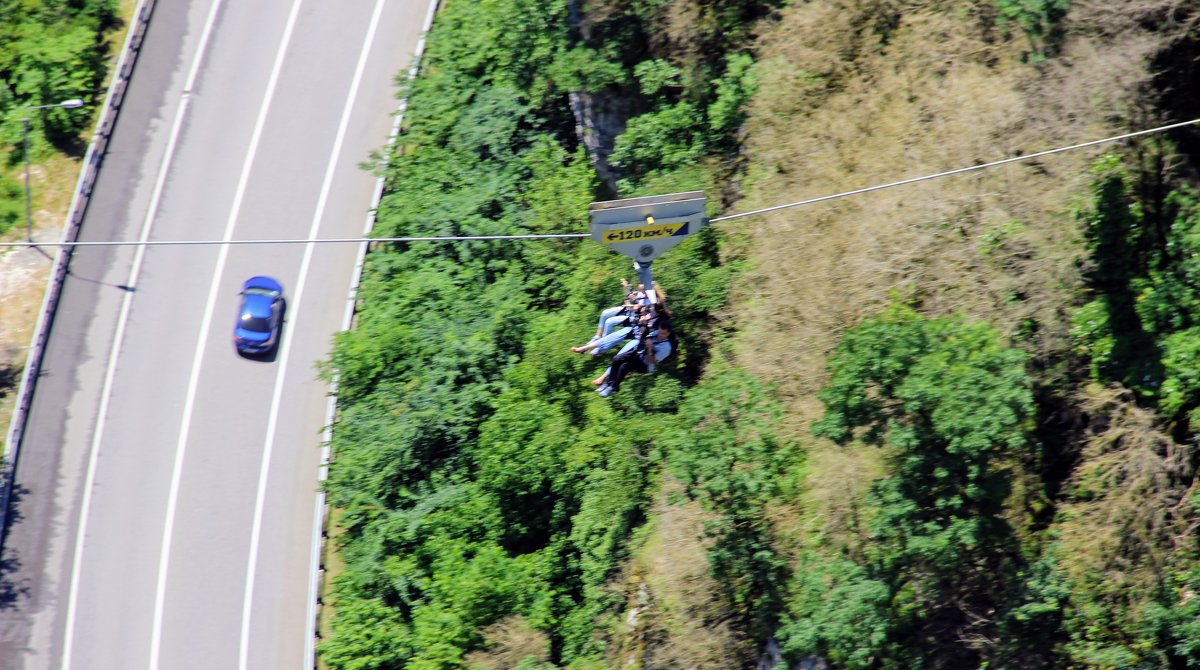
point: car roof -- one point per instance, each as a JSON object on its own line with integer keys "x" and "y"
{"x": 257, "y": 305}
{"x": 263, "y": 282}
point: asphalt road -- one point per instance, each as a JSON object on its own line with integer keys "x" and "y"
{"x": 165, "y": 499}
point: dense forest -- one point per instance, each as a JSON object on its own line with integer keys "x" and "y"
{"x": 946, "y": 426}
{"x": 50, "y": 51}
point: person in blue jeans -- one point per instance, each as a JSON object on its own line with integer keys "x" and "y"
{"x": 640, "y": 357}
{"x": 642, "y": 321}
{"x": 608, "y": 331}
{"x": 613, "y": 317}
{"x": 610, "y": 319}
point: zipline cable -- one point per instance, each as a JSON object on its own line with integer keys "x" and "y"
{"x": 948, "y": 173}
{"x": 329, "y": 240}
{"x": 472, "y": 238}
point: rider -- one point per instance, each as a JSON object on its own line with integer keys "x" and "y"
{"x": 634, "y": 306}
{"x": 615, "y": 316}
{"x": 642, "y": 357}
{"x": 644, "y": 318}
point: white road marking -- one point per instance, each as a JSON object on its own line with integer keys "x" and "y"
{"x": 310, "y": 629}
{"x": 285, "y": 355}
{"x": 188, "y": 406}
{"x": 119, "y": 336}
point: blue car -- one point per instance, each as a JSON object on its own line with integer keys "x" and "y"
{"x": 259, "y": 317}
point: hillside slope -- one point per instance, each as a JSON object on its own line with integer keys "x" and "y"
{"x": 1098, "y": 507}
{"x": 947, "y": 425}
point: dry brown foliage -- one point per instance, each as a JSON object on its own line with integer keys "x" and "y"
{"x": 838, "y": 111}
{"x": 24, "y": 272}
{"x": 854, "y": 93}
{"x": 1130, "y": 497}
{"x": 508, "y": 642}
{"x": 674, "y": 617}
{"x": 836, "y": 484}
{"x": 678, "y": 35}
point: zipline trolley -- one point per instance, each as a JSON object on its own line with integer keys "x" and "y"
{"x": 645, "y": 228}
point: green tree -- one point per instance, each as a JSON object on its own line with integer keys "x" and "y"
{"x": 733, "y": 90}
{"x": 1109, "y": 329}
{"x": 665, "y": 139}
{"x": 845, "y": 615}
{"x": 51, "y": 50}
{"x": 952, "y": 408}
{"x": 726, "y": 453}
{"x": 1141, "y": 325}
{"x": 1038, "y": 19}
{"x": 655, "y": 75}
{"x": 476, "y": 477}
{"x": 12, "y": 203}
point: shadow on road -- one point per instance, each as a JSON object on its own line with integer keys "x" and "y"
{"x": 76, "y": 276}
{"x": 11, "y": 588}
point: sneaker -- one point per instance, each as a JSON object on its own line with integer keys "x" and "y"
{"x": 604, "y": 391}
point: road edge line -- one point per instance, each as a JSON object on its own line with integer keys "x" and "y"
{"x": 123, "y": 72}
{"x": 321, "y": 512}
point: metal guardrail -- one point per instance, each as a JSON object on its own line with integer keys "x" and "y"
{"x": 79, "y": 202}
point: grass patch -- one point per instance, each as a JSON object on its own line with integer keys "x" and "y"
{"x": 332, "y": 561}
{"x": 681, "y": 621}
{"x": 24, "y": 272}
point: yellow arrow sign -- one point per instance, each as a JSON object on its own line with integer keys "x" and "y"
{"x": 643, "y": 233}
